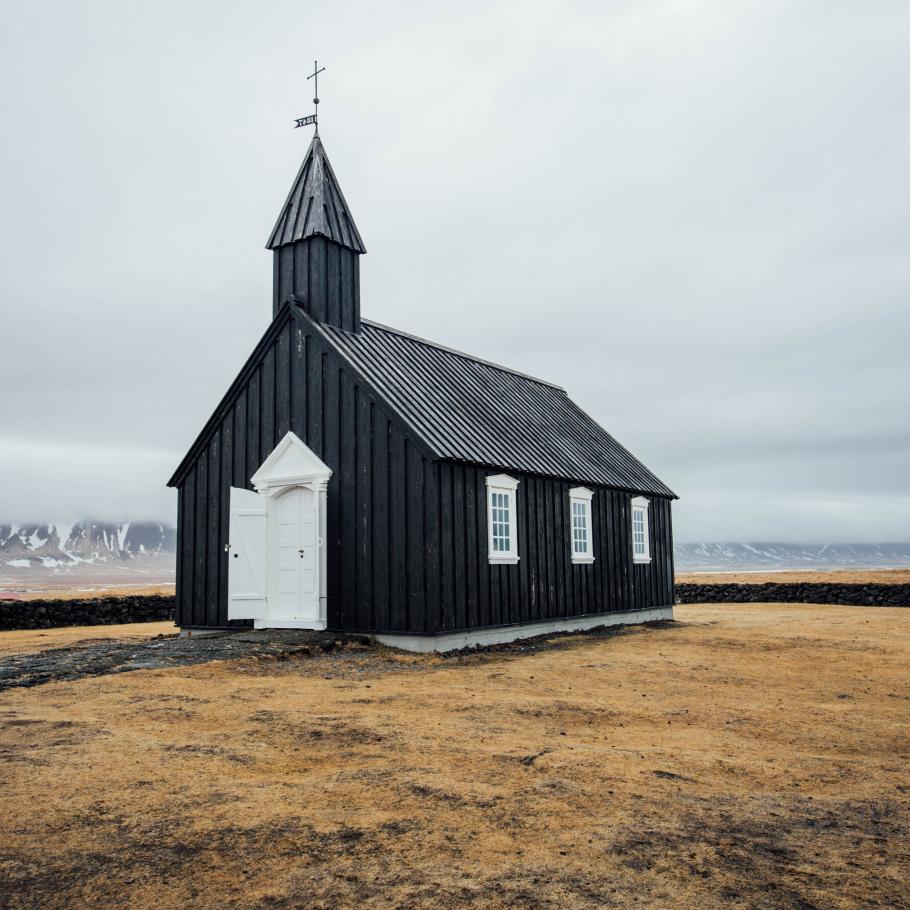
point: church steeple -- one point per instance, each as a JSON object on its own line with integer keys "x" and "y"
{"x": 317, "y": 246}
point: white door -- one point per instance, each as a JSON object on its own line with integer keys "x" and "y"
{"x": 293, "y": 557}
{"x": 246, "y": 556}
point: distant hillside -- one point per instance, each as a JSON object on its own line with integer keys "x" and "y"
{"x": 750, "y": 557}
{"x": 30, "y": 550}
{"x": 62, "y": 546}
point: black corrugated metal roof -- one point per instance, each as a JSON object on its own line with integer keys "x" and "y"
{"x": 475, "y": 411}
{"x": 316, "y": 206}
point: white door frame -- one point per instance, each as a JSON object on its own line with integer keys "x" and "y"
{"x": 293, "y": 464}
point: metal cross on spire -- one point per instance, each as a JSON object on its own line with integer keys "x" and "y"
{"x": 312, "y": 119}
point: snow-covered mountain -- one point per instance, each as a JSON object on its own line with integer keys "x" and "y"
{"x": 98, "y": 546}
{"x": 746, "y": 557}
{"x": 59, "y": 545}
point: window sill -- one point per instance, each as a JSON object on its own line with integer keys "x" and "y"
{"x": 582, "y": 560}
{"x": 641, "y": 560}
{"x": 502, "y": 559}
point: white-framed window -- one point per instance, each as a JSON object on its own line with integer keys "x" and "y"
{"x": 581, "y": 542}
{"x": 641, "y": 546}
{"x": 502, "y": 518}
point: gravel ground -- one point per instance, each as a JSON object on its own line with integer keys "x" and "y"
{"x": 101, "y": 658}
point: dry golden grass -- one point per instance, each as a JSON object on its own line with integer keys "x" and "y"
{"x": 839, "y": 576}
{"x": 749, "y": 757}
{"x": 86, "y": 594}
{"x": 836, "y": 576}
{"x": 26, "y": 640}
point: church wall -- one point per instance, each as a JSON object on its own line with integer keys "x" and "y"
{"x": 544, "y": 584}
{"x": 382, "y": 514}
{"x": 407, "y": 535}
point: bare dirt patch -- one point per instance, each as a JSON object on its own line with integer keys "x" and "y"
{"x": 750, "y": 756}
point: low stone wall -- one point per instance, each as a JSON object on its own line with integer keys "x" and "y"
{"x": 92, "y": 611}
{"x": 100, "y": 611}
{"x": 805, "y": 592}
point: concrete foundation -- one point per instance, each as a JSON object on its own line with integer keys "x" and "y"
{"x": 454, "y": 641}
{"x": 205, "y": 633}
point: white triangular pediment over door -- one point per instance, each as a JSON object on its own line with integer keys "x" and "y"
{"x": 291, "y": 462}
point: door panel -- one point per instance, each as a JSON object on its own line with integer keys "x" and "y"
{"x": 247, "y": 556}
{"x": 287, "y": 536}
{"x": 308, "y": 562}
{"x": 294, "y": 593}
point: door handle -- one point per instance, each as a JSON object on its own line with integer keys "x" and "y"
{"x": 301, "y": 553}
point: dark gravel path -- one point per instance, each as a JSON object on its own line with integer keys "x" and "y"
{"x": 339, "y": 654}
{"x": 100, "y": 658}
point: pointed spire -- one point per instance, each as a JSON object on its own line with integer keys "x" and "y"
{"x": 315, "y": 207}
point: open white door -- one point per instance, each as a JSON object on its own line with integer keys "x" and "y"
{"x": 246, "y": 556}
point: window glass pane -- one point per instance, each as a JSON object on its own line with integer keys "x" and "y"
{"x": 639, "y": 533}
{"x": 500, "y": 521}
{"x": 580, "y": 528}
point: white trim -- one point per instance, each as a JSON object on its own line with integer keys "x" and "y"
{"x": 581, "y": 493}
{"x": 503, "y": 481}
{"x": 507, "y": 486}
{"x": 288, "y": 624}
{"x": 293, "y": 464}
{"x": 502, "y": 559}
{"x": 453, "y": 641}
{"x": 582, "y": 496}
{"x": 641, "y": 505}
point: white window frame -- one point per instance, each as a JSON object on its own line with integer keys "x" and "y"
{"x": 580, "y": 503}
{"x": 640, "y": 507}
{"x": 503, "y": 485}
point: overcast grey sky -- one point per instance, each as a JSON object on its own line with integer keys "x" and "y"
{"x": 693, "y": 216}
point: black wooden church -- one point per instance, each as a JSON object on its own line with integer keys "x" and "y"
{"x": 358, "y": 478}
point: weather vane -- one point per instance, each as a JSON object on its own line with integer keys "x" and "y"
{"x": 311, "y": 119}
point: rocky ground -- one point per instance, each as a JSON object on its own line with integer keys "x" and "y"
{"x": 747, "y": 756}
{"x": 857, "y": 595}
{"x": 95, "y": 611}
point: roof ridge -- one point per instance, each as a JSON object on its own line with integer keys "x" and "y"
{"x": 457, "y": 353}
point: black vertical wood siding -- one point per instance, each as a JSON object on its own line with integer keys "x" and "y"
{"x": 324, "y": 276}
{"x": 379, "y": 564}
{"x": 407, "y": 534}
{"x": 545, "y": 584}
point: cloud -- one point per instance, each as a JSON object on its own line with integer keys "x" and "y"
{"x": 692, "y": 216}
{"x": 67, "y": 482}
